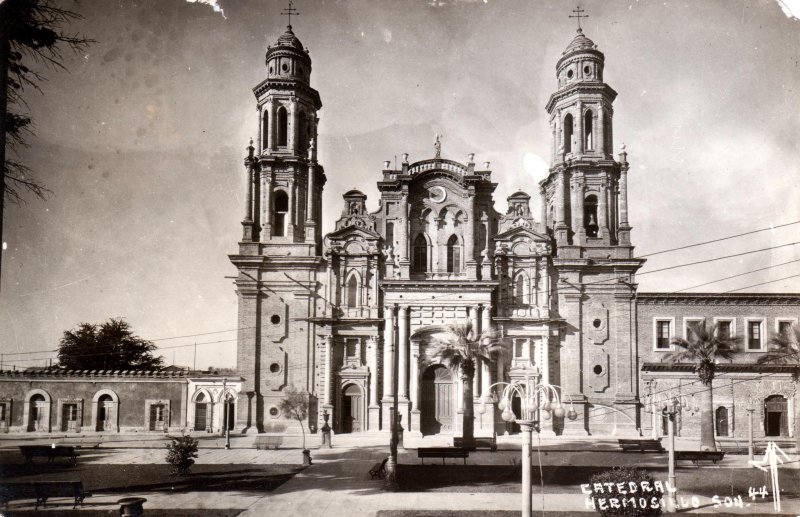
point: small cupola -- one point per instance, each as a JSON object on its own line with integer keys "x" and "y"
{"x": 287, "y": 59}
{"x": 518, "y": 204}
{"x": 580, "y": 62}
{"x": 354, "y": 203}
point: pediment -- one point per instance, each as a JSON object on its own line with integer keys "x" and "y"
{"x": 521, "y": 230}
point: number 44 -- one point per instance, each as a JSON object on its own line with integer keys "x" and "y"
{"x": 753, "y": 492}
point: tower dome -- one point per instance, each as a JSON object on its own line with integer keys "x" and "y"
{"x": 288, "y": 59}
{"x": 580, "y": 61}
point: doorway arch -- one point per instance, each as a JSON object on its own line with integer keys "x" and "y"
{"x": 352, "y": 414}
{"x": 105, "y": 411}
{"x": 37, "y": 411}
{"x": 776, "y": 416}
{"x": 438, "y": 407}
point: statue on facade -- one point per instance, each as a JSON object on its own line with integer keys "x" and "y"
{"x": 437, "y": 146}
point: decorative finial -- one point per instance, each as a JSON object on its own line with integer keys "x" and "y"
{"x": 471, "y": 158}
{"x": 386, "y": 165}
{"x": 437, "y": 146}
{"x": 579, "y": 14}
{"x": 251, "y": 141}
{"x": 289, "y": 11}
{"x": 405, "y": 157}
{"x": 486, "y": 165}
{"x": 622, "y": 147}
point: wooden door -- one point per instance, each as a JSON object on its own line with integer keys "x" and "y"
{"x": 775, "y": 416}
{"x": 200, "y": 412}
{"x": 352, "y": 409}
{"x": 437, "y": 400}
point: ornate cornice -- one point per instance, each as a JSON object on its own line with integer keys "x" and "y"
{"x": 718, "y": 298}
{"x": 721, "y": 368}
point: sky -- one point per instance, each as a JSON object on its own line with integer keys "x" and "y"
{"x": 141, "y": 142}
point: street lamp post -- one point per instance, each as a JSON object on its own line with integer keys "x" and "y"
{"x": 670, "y": 410}
{"x": 530, "y": 395}
{"x": 226, "y": 413}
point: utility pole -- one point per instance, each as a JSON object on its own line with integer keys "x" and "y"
{"x": 194, "y": 362}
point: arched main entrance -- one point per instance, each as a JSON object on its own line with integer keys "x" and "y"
{"x": 437, "y": 400}
{"x": 105, "y": 409}
{"x": 352, "y": 409}
{"x": 201, "y": 414}
{"x": 776, "y": 421}
{"x": 38, "y": 406}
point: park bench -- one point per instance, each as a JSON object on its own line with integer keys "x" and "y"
{"x": 46, "y": 489}
{"x": 479, "y": 442}
{"x": 268, "y": 442}
{"x": 12, "y": 491}
{"x": 697, "y": 456}
{"x": 442, "y": 452}
{"x": 49, "y": 452}
{"x": 640, "y": 445}
{"x": 378, "y": 471}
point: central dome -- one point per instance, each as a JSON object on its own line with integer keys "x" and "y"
{"x": 288, "y": 39}
{"x": 580, "y": 42}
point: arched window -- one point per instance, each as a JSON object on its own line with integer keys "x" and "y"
{"x": 265, "y": 132}
{"x": 352, "y": 291}
{"x": 420, "y": 257}
{"x": 282, "y": 127}
{"x": 568, "y": 133}
{"x": 302, "y": 124}
{"x": 520, "y": 288}
{"x": 590, "y": 216}
{"x": 453, "y": 255}
{"x": 721, "y": 421}
{"x": 279, "y": 213}
{"x": 588, "y": 130}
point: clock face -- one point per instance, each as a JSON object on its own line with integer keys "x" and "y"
{"x": 437, "y": 194}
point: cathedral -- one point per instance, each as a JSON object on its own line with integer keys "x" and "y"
{"x": 330, "y": 314}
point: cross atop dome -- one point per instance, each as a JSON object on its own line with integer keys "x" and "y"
{"x": 289, "y": 11}
{"x": 578, "y": 15}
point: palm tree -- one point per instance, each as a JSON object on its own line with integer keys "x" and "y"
{"x": 459, "y": 347}
{"x": 784, "y": 348}
{"x": 705, "y": 348}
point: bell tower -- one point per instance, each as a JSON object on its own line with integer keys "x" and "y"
{"x": 279, "y": 261}
{"x": 585, "y": 209}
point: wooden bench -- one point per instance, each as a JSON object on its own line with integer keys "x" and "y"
{"x": 49, "y": 452}
{"x": 268, "y": 442}
{"x": 47, "y": 489}
{"x": 479, "y": 442}
{"x": 12, "y": 491}
{"x": 442, "y": 452}
{"x": 697, "y": 456}
{"x": 378, "y": 471}
{"x": 641, "y": 445}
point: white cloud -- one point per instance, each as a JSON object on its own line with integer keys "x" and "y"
{"x": 213, "y": 3}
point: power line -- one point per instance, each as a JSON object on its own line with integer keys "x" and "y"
{"x": 734, "y": 276}
{"x": 762, "y": 283}
{"x": 718, "y": 240}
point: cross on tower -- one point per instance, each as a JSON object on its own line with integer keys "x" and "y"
{"x": 578, "y": 15}
{"x": 289, "y": 11}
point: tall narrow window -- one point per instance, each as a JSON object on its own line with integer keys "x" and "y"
{"x": 753, "y": 335}
{"x": 420, "y": 262}
{"x": 590, "y": 216}
{"x": 302, "y": 132}
{"x": 784, "y": 327}
{"x": 352, "y": 291}
{"x": 279, "y": 214}
{"x": 453, "y": 255}
{"x": 724, "y": 329}
{"x": 588, "y": 130}
{"x": 520, "y": 297}
{"x": 663, "y": 332}
{"x": 265, "y": 131}
{"x": 389, "y": 241}
{"x": 568, "y": 133}
{"x": 282, "y": 127}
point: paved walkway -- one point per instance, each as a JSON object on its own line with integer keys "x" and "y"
{"x": 338, "y": 484}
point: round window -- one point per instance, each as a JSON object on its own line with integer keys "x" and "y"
{"x": 597, "y": 369}
{"x": 285, "y": 67}
{"x": 274, "y": 367}
{"x": 273, "y": 412}
{"x": 587, "y": 70}
{"x": 570, "y": 73}
{"x": 275, "y": 319}
{"x": 597, "y": 323}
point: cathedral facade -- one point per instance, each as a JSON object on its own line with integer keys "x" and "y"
{"x": 329, "y": 314}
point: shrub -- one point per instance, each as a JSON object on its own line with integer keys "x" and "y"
{"x": 180, "y": 454}
{"x": 622, "y": 492}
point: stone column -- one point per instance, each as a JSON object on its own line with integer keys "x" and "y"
{"x": 602, "y": 211}
{"x": 404, "y": 230}
{"x": 581, "y": 129}
{"x": 248, "y": 206}
{"x": 561, "y": 228}
{"x": 328, "y": 370}
{"x": 580, "y": 194}
{"x": 469, "y": 238}
{"x": 486, "y": 377}
{"x": 291, "y": 215}
{"x": 601, "y": 137}
{"x": 414, "y": 422}
{"x": 373, "y": 411}
{"x": 624, "y": 228}
{"x": 473, "y": 318}
{"x": 402, "y": 346}
{"x": 388, "y": 357}
{"x": 266, "y": 206}
{"x": 543, "y": 199}
{"x": 292, "y": 127}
